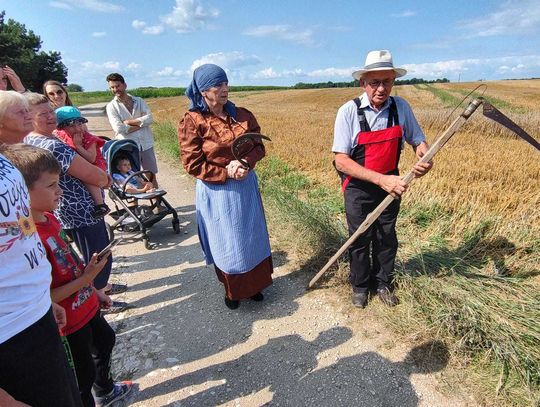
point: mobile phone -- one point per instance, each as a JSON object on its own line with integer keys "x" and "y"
{"x": 107, "y": 248}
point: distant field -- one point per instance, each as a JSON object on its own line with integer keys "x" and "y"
{"x": 469, "y": 258}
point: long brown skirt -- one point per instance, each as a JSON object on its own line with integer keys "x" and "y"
{"x": 246, "y": 285}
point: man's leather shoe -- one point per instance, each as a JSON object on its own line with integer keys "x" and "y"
{"x": 359, "y": 300}
{"x": 387, "y": 297}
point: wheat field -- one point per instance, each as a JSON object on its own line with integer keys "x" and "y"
{"x": 482, "y": 173}
{"x": 468, "y": 265}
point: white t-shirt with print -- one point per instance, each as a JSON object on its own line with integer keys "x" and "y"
{"x": 25, "y": 272}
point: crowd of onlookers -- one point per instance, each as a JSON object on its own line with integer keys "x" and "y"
{"x": 55, "y": 344}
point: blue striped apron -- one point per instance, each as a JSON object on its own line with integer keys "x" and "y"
{"x": 231, "y": 224}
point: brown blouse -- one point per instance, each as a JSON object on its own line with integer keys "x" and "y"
{"x": 206, "y": 140}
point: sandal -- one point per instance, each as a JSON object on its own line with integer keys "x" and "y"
{"x": 116, "y": 289}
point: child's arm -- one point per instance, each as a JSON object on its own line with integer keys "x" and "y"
{"x": 90, "y": 272}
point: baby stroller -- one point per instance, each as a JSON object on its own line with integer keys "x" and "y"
{"x": 130, "y": 215}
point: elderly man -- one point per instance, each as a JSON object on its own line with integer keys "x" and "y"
{"x": 368, "y": 135}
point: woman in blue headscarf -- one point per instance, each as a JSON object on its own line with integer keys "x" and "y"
{"x": 230, "y": 214}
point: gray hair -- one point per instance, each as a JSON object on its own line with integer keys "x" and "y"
{"x": 36, "y": 98}
{"x": 10, "y": 98}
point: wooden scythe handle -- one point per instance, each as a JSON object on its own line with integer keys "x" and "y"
{"x": 372, "y": 217}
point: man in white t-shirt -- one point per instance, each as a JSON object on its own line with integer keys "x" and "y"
{"x": 33, "y": 364}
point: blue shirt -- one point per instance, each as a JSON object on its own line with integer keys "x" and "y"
{"x": 347, "y": 125}
{"x": 76, "y": 206}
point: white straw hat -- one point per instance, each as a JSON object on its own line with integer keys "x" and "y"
{"x": 379, "y": 61}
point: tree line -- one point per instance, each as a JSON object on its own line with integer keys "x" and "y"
{"x": 355, "y": 83}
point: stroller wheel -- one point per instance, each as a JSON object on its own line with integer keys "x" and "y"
{"x": 148, "y": 245}
{"x": 110, "y": 231}
{"x": 176, "y": 226}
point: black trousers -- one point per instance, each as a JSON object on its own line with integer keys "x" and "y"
{"x": 34, "y": 368}
{"x": 372, "y": 256}
{"x": 91, "y": 347}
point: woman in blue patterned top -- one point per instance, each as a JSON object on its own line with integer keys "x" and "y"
{"x": 75, "y": 211}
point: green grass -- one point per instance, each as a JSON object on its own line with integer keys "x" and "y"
{"x": 447, "y": 98}
{"x": 458, "y": 291}
{"x": 166, "y": 139}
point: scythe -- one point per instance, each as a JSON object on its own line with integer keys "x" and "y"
{"x": 488, "y": 110}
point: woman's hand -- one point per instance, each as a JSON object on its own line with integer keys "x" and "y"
{"x": 236, "y": 170}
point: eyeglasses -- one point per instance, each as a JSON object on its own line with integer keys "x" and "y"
{"x": 58, "y": 92}
{"x": 79, "y": 121}
{"x": 386, "y": 83}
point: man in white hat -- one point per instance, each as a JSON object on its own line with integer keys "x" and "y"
{"x": 368, "y": 136}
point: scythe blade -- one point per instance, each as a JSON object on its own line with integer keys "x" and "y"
{"x": 496, "y": 115}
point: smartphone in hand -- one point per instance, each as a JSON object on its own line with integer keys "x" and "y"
{"x": 107, "y": 249}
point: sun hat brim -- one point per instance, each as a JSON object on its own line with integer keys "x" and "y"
{"x": 399, "y": 71}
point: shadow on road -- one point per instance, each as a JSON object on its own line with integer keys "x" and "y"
{"x": 366, "y": 379}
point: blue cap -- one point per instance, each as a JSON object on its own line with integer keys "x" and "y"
{"x": 68, "y": 115}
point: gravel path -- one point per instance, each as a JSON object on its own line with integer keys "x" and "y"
{"x": 183, "y": 347}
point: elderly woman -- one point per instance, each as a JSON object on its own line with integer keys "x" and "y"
{"x": 230, "y": 214}
{"x": 33, "y": 364}
{"x": 57, "y": 94}
{"x": 75, "y": 210}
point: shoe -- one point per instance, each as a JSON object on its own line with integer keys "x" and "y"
{"x": 359, "y": 300}
{"x": 119, "y": 391}
{"x": 116, "y": 307}
{"x": 116, "y": 289}
{"x": 257, "y": 297}
{"x": 387, "y": 297}
{"x": 232, "y": 304}
{"x": 100, "y": 211}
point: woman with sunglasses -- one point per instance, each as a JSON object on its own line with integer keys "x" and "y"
{"x": 57, "y": 94}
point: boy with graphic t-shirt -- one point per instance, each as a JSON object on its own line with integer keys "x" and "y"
{"x": 90, "y": 337}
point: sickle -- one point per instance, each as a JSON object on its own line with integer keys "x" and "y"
{"x": 244, "y": 138}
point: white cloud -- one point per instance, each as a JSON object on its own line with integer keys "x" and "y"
{"x": 333, "y": 73}
{"x": 267, "y": 73}
{"x": 188, "y": 16}
{"x": 170, "y": 72}
{"x": 512, "y": 65}
{"x": 317, "y": 74}
{"x": 98, "y": 34}
{"x": 513, "y": 17}
{"x": 153, "y": 30}
{"x": 282, "y": 32}
{"x": 138, "y": 24}
{"x": 105, "y": 66}
{"x": 404, "y": 14}
{"x": 59, "y": 4}
{"x": 132, "y": 66}
{"x": 146, "y": 29}
{"x": 93, "y": 5}
{"x": 227, "y": 60}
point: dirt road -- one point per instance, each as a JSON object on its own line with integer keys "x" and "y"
{"x": 183, "y": 347}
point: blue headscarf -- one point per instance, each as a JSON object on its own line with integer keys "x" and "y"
{"x": 205, "y": 77}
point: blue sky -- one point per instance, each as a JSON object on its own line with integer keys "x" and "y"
{"x": 282, "y": 42}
